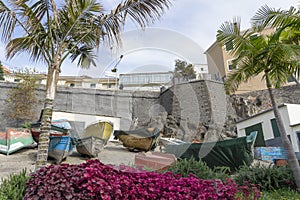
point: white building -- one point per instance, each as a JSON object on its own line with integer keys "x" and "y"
{"x": 268, "y": 134}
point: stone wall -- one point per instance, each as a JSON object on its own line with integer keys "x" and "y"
{"x": 192, "y": 107}
{"x": 198, "y": 109}
{"x": 251, "y": 103}
{"x": 191, "y": 104}
{"x": 4, "y": 89}
{"x": 123, "y": 104}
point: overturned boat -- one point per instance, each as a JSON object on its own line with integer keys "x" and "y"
{"x": 90, "y": 146}
{"x": 94, "y": 137}
{"x": 60, "y": 147}
{"x": 144, "y": 139}
{"x": 62, "y": 139}
{"x": 15, "y": 139}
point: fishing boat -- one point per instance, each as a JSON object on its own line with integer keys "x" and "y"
{"x": 94, "y": 137}
{"x": 59, "y": 127}
{"x": 90, "y": 146}
{"x": 60, "y": 147}
{"x": 144, "y": 139}
{"x": 100, "y": 129}
{"x": 231, "y": 153}
{"x": 15, "y": 139}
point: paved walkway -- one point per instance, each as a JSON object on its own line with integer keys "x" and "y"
{"x": 113, "y": 153}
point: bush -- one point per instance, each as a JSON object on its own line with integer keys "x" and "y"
{"x": 281, "y": 194}
{"x": 94, "y": 180}
{"x": 268, "y": 177}
{"x": 199, "y": 169}
{"x": 14, "y": 186}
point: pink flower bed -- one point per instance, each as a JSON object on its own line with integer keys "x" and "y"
{"x": 94, "y": 180}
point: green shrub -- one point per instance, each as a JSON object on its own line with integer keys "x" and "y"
{"x": 281, "y": 194}
{"x": 199, "y": 169}
{"x": 13, "y": 188}
{"x": 268, "y": 177}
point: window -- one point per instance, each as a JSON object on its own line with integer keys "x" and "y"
{"x": 72, "y": 84}
{"x": 17, "y": 80}
{"x": 229, "y": 46}
{"x": 93, "y": 85}
{"x": 230, "y": 65}
{"x": 275, "y": 128}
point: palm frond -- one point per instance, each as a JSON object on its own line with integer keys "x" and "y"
{"x": 266, "y": 17}
{"x": 79, "y": 30}
{"x": 142, "y": 12}
{"x": 85, "y": 56}
{"x": 230, "y": 32}
{"x": 8, "y": 21}
{"x": 25, "y": 44}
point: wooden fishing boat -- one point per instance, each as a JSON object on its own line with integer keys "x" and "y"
{"x": 231, "y": 153}
{"x": 94, "y": 137}
{"x": 15, "y": 139}
{"x": 90, "y": 146}
{"x": 60, "y": 147}
{"x": 144, "y": 139}
{"x": 59, "y": 127}
{"x": 99, "y": 129}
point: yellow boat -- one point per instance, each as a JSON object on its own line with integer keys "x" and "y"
{"x": 99, "y": 129}
{"x": 94, "y": 137}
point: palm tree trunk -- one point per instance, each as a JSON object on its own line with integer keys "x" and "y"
{"x": 292, "y": 160}
{"x": 43, "y": 146}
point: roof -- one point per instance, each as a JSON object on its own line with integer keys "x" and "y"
{"x": 293, "y": 125}
{"x": 5, "y": 69}
{"x": 147, "y": 73}
{"x": 211, "y": 46}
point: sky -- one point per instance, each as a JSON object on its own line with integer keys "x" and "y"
{"x": 184, "y": 32}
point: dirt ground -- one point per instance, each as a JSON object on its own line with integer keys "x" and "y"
{"x": 113, "y": 153}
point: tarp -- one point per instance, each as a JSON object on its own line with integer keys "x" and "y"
{"x": 232, "y": 153}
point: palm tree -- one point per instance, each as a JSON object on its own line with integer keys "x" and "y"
{"x": 286, "y": 21}
{"x": 1, "y": 72}
{"x": 257, "y": 53}
{"x": 51, "y": 34}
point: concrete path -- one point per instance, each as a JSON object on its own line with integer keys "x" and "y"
{"x": 113, "y": 153}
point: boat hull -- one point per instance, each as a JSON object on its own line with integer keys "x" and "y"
{"x": 140, "y": 139}
{"x": 55, "y": 130}
{"x": 60, "y": 147}
{"x": 99, "y": 129}
{"x": 15, "y": 139}
{"x": 90, "y": 146}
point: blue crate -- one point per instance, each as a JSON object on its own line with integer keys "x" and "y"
{"x": 269, "y": 153}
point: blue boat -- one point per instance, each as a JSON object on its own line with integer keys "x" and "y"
{"x": 60, "y": 147}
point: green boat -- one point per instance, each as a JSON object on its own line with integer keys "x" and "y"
{"x": 15, "y": 139}
{"x": 232, "y": 153}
